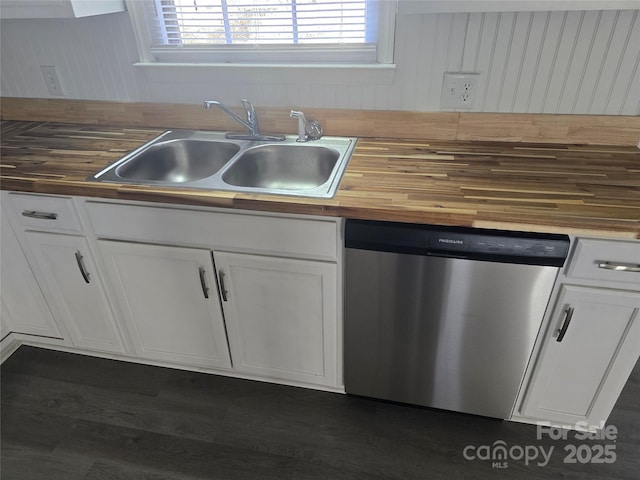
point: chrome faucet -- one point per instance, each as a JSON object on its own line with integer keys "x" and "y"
{"x": 251, "y": 123}
{"x": 307, "y": 129}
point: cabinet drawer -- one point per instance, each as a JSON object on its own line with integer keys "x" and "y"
{"x": 606, "y": 260}
{"x": 43, "y": 212}
{"x": 240, "y": 232}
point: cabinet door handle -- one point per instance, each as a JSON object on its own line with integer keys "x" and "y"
{"x": 203, "y": 282}
{"x": 568, "y": 315}
{"x": 619, "y": 266}
{"x": 39, "y": 215}
{"x": 83, "y": 269}
{"x": 223, "y": 288}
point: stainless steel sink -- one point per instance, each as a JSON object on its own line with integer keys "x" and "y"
{"x": 283, "y": 167}
{"x": 207, "y": 160}
{"x": 179, "y": 161}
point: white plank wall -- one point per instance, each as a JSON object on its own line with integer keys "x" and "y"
{"x": 536, "y": 62}
{"x": 93, "y": 57}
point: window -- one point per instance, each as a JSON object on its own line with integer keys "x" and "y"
{"x": 264, "y": 31}
{"x": 233, "y": 22}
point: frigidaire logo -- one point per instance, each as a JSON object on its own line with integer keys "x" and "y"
{"x": 451, "y": 240}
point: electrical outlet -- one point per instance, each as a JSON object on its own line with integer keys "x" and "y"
{"x": 51, "y": 79}
{"x": 459, "y": 90}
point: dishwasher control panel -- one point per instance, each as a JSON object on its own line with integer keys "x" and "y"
{"x": 479, "y": 243}
{"x": 458, "y": 242}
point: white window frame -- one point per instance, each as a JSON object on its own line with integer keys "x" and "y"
{"x": 322, "y": 56}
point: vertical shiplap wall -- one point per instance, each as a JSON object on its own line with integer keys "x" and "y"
{"x": 560, "y": 62}
{"x": 93, "y": 57}
{"x": 537, "y": 62}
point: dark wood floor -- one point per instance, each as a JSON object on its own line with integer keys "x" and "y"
{"x": 68, "y": 417}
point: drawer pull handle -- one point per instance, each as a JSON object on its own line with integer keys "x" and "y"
{"x": 223, "y": 288}
{"x": 39, "y": 215}
{"x": 83, "y": 269}
{"x": 203, "y": 282}
{"x": 618, "y": 266}
{"x": 568, "y": 315}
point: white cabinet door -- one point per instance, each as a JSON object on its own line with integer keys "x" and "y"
{"x": 74, "y": 289}
{"x": 169, "y": 300}
{"x": 588, "y": 354}
{"x": 281, "y": 316}
{"x": 24, "y": 309}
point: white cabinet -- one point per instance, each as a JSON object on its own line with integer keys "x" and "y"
{"x": 24, "y": 309}
{"x": 50, "y": 230}
{"x": 280, "y": 316}
{"x": 278, "y": 274}
{"x": 591, "y": 338}
{"x": 605, "y": 263}
{"x": 591, "y": 346}
{"x": 152, "y": 290}
{"x": 168, "y": 298}
{"x": 74, "y": 290}
{"x": 58, "y": 8}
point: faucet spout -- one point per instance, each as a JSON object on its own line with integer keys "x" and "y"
{"x": 251, "y": 123}
{"x": 215, "y": 103}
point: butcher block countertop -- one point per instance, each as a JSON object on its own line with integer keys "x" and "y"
{"x": 574, "y": 189}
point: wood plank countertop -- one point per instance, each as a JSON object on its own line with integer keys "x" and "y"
{"x": 574, "y": 189}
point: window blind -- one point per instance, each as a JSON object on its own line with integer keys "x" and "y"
{"x": 262, "y": 22}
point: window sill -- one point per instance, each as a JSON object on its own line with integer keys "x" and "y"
{"x": 311, "y": 74}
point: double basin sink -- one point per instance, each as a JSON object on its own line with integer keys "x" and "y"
{"x": 208, "y": 160}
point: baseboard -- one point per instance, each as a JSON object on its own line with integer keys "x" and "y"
{"x": 8, "y": 345}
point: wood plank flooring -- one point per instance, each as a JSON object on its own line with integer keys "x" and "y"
{"x": 67, "y": 416}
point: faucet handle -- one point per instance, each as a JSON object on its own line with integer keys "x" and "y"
{"x": 252, "y": 118}
{"x": 247, "y": 105}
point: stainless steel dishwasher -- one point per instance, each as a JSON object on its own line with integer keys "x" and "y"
{"x": 444, "y": 317}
